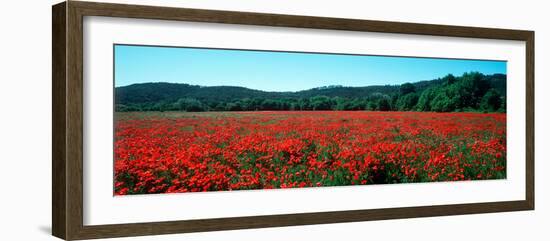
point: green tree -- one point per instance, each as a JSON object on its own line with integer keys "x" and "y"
{"x": 469, "y": 92}
{"x": 449, "y": 79}
{"x": 471, "y": 88}
{"x": 304, "y": 104}
{"x": 189, "y": 105}
{"x": 407, "y": 102}
{"x": 442, "y": 103}
{"x": 407, "y": 88}
{"x": 234, "y": 106}
{"x": 503, "y": 105}
{"x": 424, "y": 100}
{"x": 321, "y": 103}
{"x": 383, "y": 104}
{"x": 372, "y": 105}
{"x": 357, "y": 104}
{"x": 341, "y": 103}
{"x": 491, "y": 101}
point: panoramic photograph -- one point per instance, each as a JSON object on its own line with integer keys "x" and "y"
{"x": 203, "y": 119}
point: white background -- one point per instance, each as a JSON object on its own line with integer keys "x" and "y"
{"x": 25, "y": 124}
{"x": 100, "y": 207}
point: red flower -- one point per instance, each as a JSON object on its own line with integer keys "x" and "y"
{"x": 264, "y": 150}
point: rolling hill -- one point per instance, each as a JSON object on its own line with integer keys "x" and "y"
{"x": 146, "y": 95}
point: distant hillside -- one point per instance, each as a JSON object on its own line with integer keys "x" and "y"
{"x": 171, "y": 96}
{"x": 154, "y": 92}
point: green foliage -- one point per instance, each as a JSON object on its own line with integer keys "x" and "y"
{"x": 443, "y": 103}
{"x": 407, "y": 88}
{"x": 407, "y": 102}
{"x": 321, "y": 103}
{"x": 190, "y": 105}
{"x": 383, "y": 104}
{"x": 470, "y": 89}
{"x": 469, "y": 92}
{"x": 425, "y": 99}
{"x": 491, "y": 101}
{"x": 372, "y": 105}
{"x": 449, "y": 79}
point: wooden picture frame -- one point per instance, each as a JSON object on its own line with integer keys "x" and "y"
{"x": 67, "y": 124}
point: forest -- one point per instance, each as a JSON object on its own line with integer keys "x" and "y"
{"x": 471, "y": 92}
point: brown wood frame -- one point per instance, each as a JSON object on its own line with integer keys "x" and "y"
{"x": 67, "y": 123}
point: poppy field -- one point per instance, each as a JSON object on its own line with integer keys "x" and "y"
{"x": 175, "y": 152}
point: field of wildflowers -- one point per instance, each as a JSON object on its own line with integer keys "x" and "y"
{"x": 172, "y": 152}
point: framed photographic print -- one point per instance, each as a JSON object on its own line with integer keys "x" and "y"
{"x": 171, "y": 120}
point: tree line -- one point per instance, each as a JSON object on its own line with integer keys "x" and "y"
{"x": 470, "y": 92}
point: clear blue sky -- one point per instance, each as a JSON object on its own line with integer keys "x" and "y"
{"x": 280, "y": 71}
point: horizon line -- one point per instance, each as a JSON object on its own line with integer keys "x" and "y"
{"x": 327, "y": 86}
